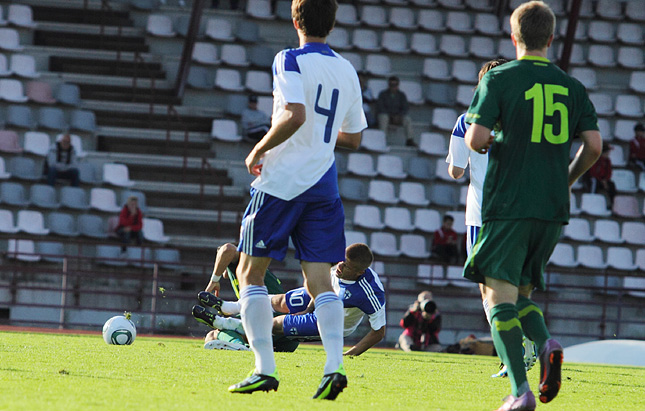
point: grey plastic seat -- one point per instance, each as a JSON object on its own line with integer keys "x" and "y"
{"x": 136, "y": 254}
{"x": 352, "y": 189}
{"x": 247, "y": 31}
{"x": 235, "y": 105}
{"x": 51, "y": 251}
{"x": 69, "y": 94}
{"x": 13, "y": 194}
{"x": 25, "y": 168}
{"x": 283, "y": 10}
{"x": 110, "y": 255}
{"x": 83, "y": 120}
{"x": 444, "y": 195}
{"x": 200, "y": 78}
{"x": 421, "y": 168}
{"x": 88, "y": 173}
{"x": 44, "y": 196}
{"x": 90, "y": 225}
{"x": 261, "y": 56}
{"x": 20, "y": 116}
{"x": 52, "y": 118}
{"x": 168, "y": 258}
{"x": 74, "y": 197}
{"x": 140, "y": 196}
{"x": 62, "y": 224}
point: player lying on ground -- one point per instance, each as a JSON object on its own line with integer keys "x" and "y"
{"x": 353, "y": 281}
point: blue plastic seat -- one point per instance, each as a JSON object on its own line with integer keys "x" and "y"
{"x": 20, "y": 116}
{"x": 13, "y": 194}
{"x": 43, "y": 195}
{"x": 51, "y": 251}
{"x": 88, "y": 173}
{"x": 74, "y": 197}
{"x": 92, "y": 226}
{"x": 110, "y": 255}
{"x": 62, "y": 224}
{"x": 69, "y": 94}
{"x": 168, "y": 258}
{"x": 52, "y": 118}
{"x": 25, "y": 168}
{"x": 83, "y": 120}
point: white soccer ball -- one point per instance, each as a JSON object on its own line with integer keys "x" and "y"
{"x": 118, "y": 330}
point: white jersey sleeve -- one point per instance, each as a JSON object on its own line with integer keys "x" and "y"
{"x": 458, "y": 152}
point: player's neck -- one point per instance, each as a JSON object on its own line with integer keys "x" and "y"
{"x": 535, "y": 53}
{"x": 304, "y": 39}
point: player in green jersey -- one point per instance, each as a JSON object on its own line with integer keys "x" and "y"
{"x": 537, "y": 109}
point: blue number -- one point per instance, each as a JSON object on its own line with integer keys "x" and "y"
{"x": 330, "y": 113}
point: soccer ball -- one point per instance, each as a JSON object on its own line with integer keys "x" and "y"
{"x": 119, "y": 330}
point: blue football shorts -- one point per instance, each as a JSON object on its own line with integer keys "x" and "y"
{"x": 316, "y": 229}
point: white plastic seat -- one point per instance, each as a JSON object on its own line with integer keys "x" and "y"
{"x": 361, "y": 164}
{"x": 465, "y": 94}
{"x": 36, "y": 142}
{"x": 338, "y": 39}
{"x": 413, "y": 194}
{"x": 368, "y": 216}
{"x": 590, "y": 256}
{"x": 219, "y": 29}
{"x": 629, "y": 106}
{"x": 482, "y": 47}
{"x": 390, "y": 166}
{"x": 346, "y": 15}
{"x": 436, "y": 69}
{"x": 398, "y": 218}
{"x": 228, "y": 79}
{"x": 205, "y": 53}
{"x": 634, "y": 11}
{"x": 24, "y": 65}
{"x": 402, "y": 18}
{"x": 374, "y": 140}
{"x": 631, "y": 58}
{"x": 234, "y": 55}
{"x": 104, "y": 199}
{"x": 488, "y": 24}
{"x": 258, "y": 82}
{"x": 431, "y": 20}
{"x": 21, "y": 15}
{"x": 618, "y": 159}
{"x": 433, "y": 144}
{"x": 382, "y": 192}
{"x": 602, "y": 31}
{"x": 623, "y": 129}
{"x": 633, "y": 232}
{"x": 587, "y": 77}
{"x": 607, "y": 231}
{"x": 625, "y": 180}
{"x": 459, "y": 22}
{"x": 395, "y": 42}
{"x": 578, "y": 229}
{"x": 366, "y": 40}
{"x": 374, "y": 16}
{"x": 573, "y": 205}
{"x": 445, "y": 195}
{"x": 355, "y": 237}
{"x": 12, "y": 90}
{"x": 444, "y": 118}
{"x": 424, "y": 44}
{"x": 421, "y": 168}
{"x": 31, "y": 222}
{"x": 455, "y": 277}
{"x": 465, "y": 71}
{"x": 3, "y": 170}
{"x": 431, "y": 275}
{"x": 427, "y": 220}
{"x": 637, "y": 81}
{"x": 6, "y": 222}
{"x": 74, "y": 197}
{"x": 352, "y": 189}
{"x": 9, "y": 40}
{"x": 601, "y": 56}
{"x": 225, "y": 130}
{"x": 620, "y": 258}
{"x": 117, "y": 174}
{"x": 153, "y": 230}
{"x": 453, "y": 45}
{"x": 610, "y": 9}
{"x": 413, "y": 91}
{"x": 635, "y": 286}
{"x": 259, "y": 9}
{"x": 23, "y": 250}
{"x": 384, "y": 244}
{"x": 626, "y": 206}
{"x": 479, "y": 5}
{"x": 414, "y": 246}
{"x": 580, "y": 33}
{"x": 563, "y": 256}
{"x": 506, "y": 49}
{"x": 378, "y": 65}
{"x": 441, "y": 172}
{"x": 594, "y": 204}
{"x": 160, "y": 25}
{"x": 603, "y": 104}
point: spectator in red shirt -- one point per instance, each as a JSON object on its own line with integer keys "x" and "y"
{"x": 637, "y": 147}
{"x": 422, "y": 323}
{"x": 598, "y": 178}
{"x": 444, "y": 244}
{"x": 130, "y": 223}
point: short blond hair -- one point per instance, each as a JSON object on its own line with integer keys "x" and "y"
{"x": 532, "y": 25}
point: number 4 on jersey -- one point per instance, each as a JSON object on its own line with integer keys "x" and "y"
{"x": 330, "y": 113}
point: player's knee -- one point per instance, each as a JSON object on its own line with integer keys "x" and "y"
{"x": 212, "y": 335}
{"x": 525, "y": 290}
{"x": 278, "y": 326}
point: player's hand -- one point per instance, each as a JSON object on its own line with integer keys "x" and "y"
{"x": 485, "y": 148}
{"x": 253, "y": 164}
{"x": 213, "y": 289}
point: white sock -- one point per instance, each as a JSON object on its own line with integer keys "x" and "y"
{"x": 329, "y": 311}
{"x": 257, "y": 318}
{"x": 486, "y": 310}
{"x": 224, "y": 323}
{"x": 231, "y": 307}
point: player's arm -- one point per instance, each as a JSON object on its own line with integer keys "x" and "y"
{"x": 368, "y": 341}
{"x": 587, "y": 154}
{"x": 456, "y": 172}
{"x": 478, "y": 138}
{"x": 226, "y": 254}
{"x": 348, "y": 140}
{"x": 291, "y": 119}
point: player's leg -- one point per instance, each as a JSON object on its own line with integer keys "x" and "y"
{"x": 225, "y": 340}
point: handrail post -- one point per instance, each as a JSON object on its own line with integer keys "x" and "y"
{"x": 63, "y": 296}
{"x": 153, "y": 302}
{"x": 189, "y": 44}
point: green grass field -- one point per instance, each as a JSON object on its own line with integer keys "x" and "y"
{"x": 81, "y": 372}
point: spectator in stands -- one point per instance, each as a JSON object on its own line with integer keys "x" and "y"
{"x": 422, "y": 323}
{"x": 392, "y": 107}
{"x": 255, "y": 123}
{"x": 130, "y": 223}
{"x": 637, "y": 147}
{"x": 444, "y": 244}
{"x": 368, "y": 99}
{"x": 598, "y": 178}
{"x": 61, "y": 162}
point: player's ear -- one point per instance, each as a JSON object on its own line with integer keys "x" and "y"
{"x": 512, "y": 39}
{"x": 295, "y": 24}
{"x": 548, "y": 43}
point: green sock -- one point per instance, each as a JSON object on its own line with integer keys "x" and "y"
{"x": 532, "y": 321}
{"x": 506, "y": 330}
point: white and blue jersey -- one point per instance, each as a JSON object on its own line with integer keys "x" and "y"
{"x": 366, "y": 296}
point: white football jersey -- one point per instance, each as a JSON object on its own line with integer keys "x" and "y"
{"x": 459, "y": 155}
{"x": 327, "y": 85}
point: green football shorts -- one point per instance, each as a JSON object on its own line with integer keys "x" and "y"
{"x": 516, "y": 251}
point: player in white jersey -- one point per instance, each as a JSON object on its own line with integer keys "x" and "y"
{"x": 459, "y": 157}
{"x": 317, "y": 105}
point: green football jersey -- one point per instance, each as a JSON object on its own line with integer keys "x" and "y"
{"x": 537, "y": 109}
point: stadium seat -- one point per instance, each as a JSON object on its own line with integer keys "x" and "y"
{"x": 13, "y": 194}
{"x": 261, "y": 56}
{"x": 431, "y": 20}
{"x": 395, "y": 42}
{"x": 374, "y": 140}
{"x": 628, "y": 105}
{"x": 361, "y": 164}
{"x": 68, "y": 94}
{"x": 637, "y": 81}
{"x": 421, "y": 168}
{"x": 368, "y": 216}
{"x": 24, "y": 65}
{"x": 219, "y": 29}
{"x": 182, "y": 25}
{"x": 452, "y": 4}
{"x": 618, "y": 159}
{"x": 623, "y": 129}
{"x": 43, "y": 196}
{"x": 3, "y": 170}
{"x": 634, "y": 11}
{"x": 377, "y": 85}
{"x": 609, "y": 10}
{"x": 424, "y": 3}
{"x": 441, "y": 172}
{"x": 338, "y": 39}
{"x": 465, "y": 71}
{"x": 139, "y": 257}
{"x": 454, "y": 275}
{"x": 4, "y": 66}
{"x": 424, "y": 44}
{"x": 460, "y": 221}
{"x": 487, "y": 24}
{"x": 40, "y": 92}
{"x": 603, "y": 103}
{"x": 51, "y": 251}
{"x": 444, "y": 195}
{"x": 104, "y": 199}
{"x": 167, "y": 258}
{"x": 607, "y": 231}
{"x": 594, "y": 204}
{"x": 199, "y": 78}
{"x": 640, "y": 259}
{"x": 602, "y": 31}
{"x": 62, "y": 224}
{"x": 6, "y": 222}
{"x": 414, "y": 246}
{"x": 578, "y": 229}
{"x": 228, "y": 79}
{"x": 234, "y": 55}
{"x": 366, "y": 40}
{"x": 563, "y": 256}
{"x": 90, "y": 225}
{"x": 21, "y": 15}
{"x": 382, "y": 192}
{"x": 465, "y": 94}
{"x": 413, "y": 194}
{"x": 635, "y": 286}
{"x": 247, "y": 31}
{"x": 235, "y": 104}
{"x": 36, "y": 143}
{"x": 141, "y": 198}
{"x": 631, "y": 58}
{"x": 31, "y": 222}
{"x": 605, "y": 130}
{"x": 9, "y": 40}
{"x": 374, "y": 16}
{"x": 25, "y": 168}
{"x": 427, "y": 220}
{"x": 620, "y": 258}
{"x": 384, "y": 244}
{"x": 346, "y": 15}
{"x": 633, "y": 232}
{"x": 83, "y": 120}
{"x": 459, "y": 22}
{"x": 225, "y": 130}
{"x": 52, "y": 118}
{"x": 403, "y": 18}
{"x": 153, "y": 230}
{"x": 479, "y": 5}
{"x": 431, "y": 275}
{"x": 453, "y": 45}
{"x": 390, "y": 166}
{"x": 413, "y": 91}
{"x": 258, "y": 82}
{"x": 259, "y": 9}
{"x": 590, "y": 256}
{"x": 624, "y": 179}
{"x": 587, "y": 77}
{"x": 160, "y": 25}
{"x": 3, "y": 21}
{"x": 23, "y": 250}
{"x": 341, "y": 163}
{"x": 117, "y": 175}
{"x": 580, "y": 33}
{"x": 441, "y": 94}
{"x": 146, "y": 5}
{"x": 352, "y": 189}
{"x": 110, "y": 255}
{"x": 482, "y": 47}
{"x": 283, "y": 10}
{"x": 11, "y": 90}
{"x": 398, "y": 218}
{"x": 355, "y": 237}
{"x": 436, "y": 69}
{"x": 74, "y": 197}
{"x": 444, "y": 118}
{"x": 626, "y": 206}
{"x": 88, "y": 174}
{"x": 506, "y": 49}
{"x": 9, "y": 142}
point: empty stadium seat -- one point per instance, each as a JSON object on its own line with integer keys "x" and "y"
{"x": 607, "y": 231}
{"x": 628, "y": 105}
{"x": 413, "y": 194}
{"x": 368, "y": 216}
{"x": 153, "y": 230}
{"x": 90, "y": 225}
{"x": 24, "y": 65}
{"x": 52, "y": 118}
{"x": 464, "y": 71}
{"x": 338, "y": 39}
{"x": 453, "y": 45}
{"x": 110, "y": 255}
{"x": 355, "y": 237}
{"x": 431, "y": 275}
{"x": 374, "y": 140}
{"x": 219, "y": 29}
{"x": 346, "y": 15}
{"x": 9, "y": 40}
{"x": 366, "y": 40}
{"x": 247, "y": 31}
{"x": 199, "y": 78}
{"x": 104, "y": 199}
{"x": 11, "y": 90}
{"x": 117, "y": 174}
{"x": 488, "y": 24}
{"x": 139, "y": 257}
{"x": 228, "y": 79}
{"x": 3, "y": 170}
{"x": 88, "y": 173}
{"x": 160, "y": 25}
{"x": 590, "y": 256}
{"x": 633, "y": 232}
{"x": 431, "y": 20}
{"x": 374, "y": 16}
{"x": 40, "y": 92}
{"x": 620, "y": 258}
{"x": 444, "y": 118}
{"x": 13, "y": 194}
{"x": 398, "y": 218}
{"x": 626, "y": 206}
{"x": 482, "y": 47}
{"x": 31, "y": 222}
{"x": 594, "y": 204}
{"x": 62, "y": 224}
{"x": 36, "y": 143}
{"x": 563, "y": 256}
{"x": 624, "y": 179}
{"x": 25, "y": 168}
{"x": 640, "y": 259}
{"x": 459, "y": 22}
{"x": 23, "y": 250}
{"x": 21, "y": 15}
{"x": 609, "y": 9}
{"x": 465, "y": 94}
{"x": 395, "y": 42}
{"x": 603, "y": 103}
{"x": 424, "y": 44}
{"x": 637, "y": 81}
{"x": 225, "y": 130}
{"x": 69, "y": 94}
{"x": 444, "y": 195}
{"x": 602, "y": 31}
{"x": 234, "y": 55}
{"x": 167, "y": 258}
{"x": 384, "y": 244}
{"x": 43, "y": 195}
{"x": 427, "y": 220}
{"x": 436, "y": 69}
{"x": 382, "y": 192}
{"x": 4, "y": 66}
{"x": 74, "y": 197}
{"x": 631, "y": 58}
{"x": 402, "y": 18}
{"x": 587, "y": 77}
{"x": 421, "y": 168}
{"x": 352, "y": 189}
{"x": 390, "y": 166}
{"x": 258, "y": 82}
{"x": 259, "y": 9}
{"x": 361, "y": 164}
{"x": 6, "y": 222}
{"x": 51, "y": 251}
{"x": 9, "y": 142}
{"x": 578, "y": 229}
{"x": 414, "y": 246}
